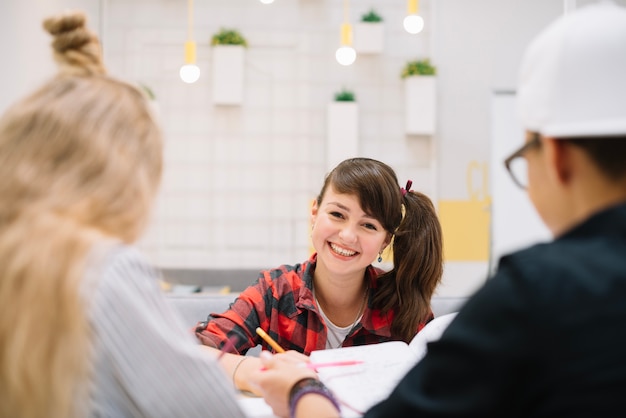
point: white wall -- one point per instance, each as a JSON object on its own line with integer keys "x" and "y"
{"x": 238, "y": 180}
{"x": 25, "y": 51}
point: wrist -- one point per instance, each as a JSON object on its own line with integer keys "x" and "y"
{"x": 235, "y": 369}
{"x": 306, "y": 386}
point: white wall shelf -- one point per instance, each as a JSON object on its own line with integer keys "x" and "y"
{"x": 369, "y": 37}
{"x": 420, "y": 105}
{"x": 342, "y": 136}
{"x": 228, "y": 74}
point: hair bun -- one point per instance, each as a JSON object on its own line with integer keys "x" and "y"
{"x": 76, "y": 49}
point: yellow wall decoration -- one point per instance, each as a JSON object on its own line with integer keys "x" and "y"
{"x": 465, "y": 223}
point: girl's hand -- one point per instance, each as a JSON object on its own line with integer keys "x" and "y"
{"x": 278, "y": 375}
{"x": 290, "y": 357}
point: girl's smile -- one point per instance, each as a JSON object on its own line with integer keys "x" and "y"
{"x": 343, "y": 232}
{"x": 341, "y": 251}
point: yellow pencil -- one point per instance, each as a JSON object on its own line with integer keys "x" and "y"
{"x": 269, "y": 340}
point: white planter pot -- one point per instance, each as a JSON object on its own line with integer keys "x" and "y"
{"x": 228, "y": 74}
{"x": 342, "y": 136}
{"x": 369, "y": 37}
{"x": 420, "y": 104}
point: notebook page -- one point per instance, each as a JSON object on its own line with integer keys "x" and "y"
{"x": 363, "y": 385}
{"x": 431, "y": 332}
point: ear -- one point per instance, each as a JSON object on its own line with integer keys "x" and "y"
{"x": 559, "y": 158}
{"x": 314, "y": 210}
{"x": 386, "y": 242}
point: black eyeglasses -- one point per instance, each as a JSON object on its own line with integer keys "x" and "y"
{"x": 516, "y": 164}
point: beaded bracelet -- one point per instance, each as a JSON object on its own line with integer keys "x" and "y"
{"x": 306, "y": 386}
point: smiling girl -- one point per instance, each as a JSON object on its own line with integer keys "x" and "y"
{"x": 337, "y": 298}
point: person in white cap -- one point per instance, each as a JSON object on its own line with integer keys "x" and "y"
{"x": 546, "y": 336}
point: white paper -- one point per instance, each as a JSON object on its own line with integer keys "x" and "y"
{"x": 255, "y": 407}
{"x": 361, "y": 386}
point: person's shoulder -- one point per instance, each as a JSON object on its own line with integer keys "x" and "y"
{"x": 287, "y": 276}
{"x": 544, "y": 272}
{"x": 117, "y": 264}
{"x": 122, "y": 257}
{"x": 556, "y": 257}
{"x": 536, "y": 252}
{"x": 530, "y": 263}
{"x": 283, "y": 271}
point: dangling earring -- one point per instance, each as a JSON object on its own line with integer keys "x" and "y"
{"x": 380, "y": 256}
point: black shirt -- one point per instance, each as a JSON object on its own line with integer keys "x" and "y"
{"x": 545, "y": 337}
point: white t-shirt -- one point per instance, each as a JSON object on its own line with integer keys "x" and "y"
{"x": 335, "y": 334}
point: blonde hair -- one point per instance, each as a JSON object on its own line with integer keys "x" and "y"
{"x": 80, "y": 162}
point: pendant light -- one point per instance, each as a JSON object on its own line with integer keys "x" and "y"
{"x": 190, "y": 73}
{"x": 346, "y": 54}
{"x": 413, "y": 23}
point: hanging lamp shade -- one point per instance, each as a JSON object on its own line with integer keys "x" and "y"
{"x": 345, "y": 54}
{"x": 190, "y": 72}
{"x": 346, "y": 34}
{"x": 413, "y": 22}
{"x": 190, "y": 52}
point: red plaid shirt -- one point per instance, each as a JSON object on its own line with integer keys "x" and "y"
{"x": 282, "y": 304}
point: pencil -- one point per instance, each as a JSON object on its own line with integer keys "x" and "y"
{"x": 269, "y": 340}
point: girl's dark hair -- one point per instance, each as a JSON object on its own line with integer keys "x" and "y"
{"x": 416, "y": 244}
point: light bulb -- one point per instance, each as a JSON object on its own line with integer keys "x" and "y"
{"x": 267, "y": 1}
{"x": 413, "y": 24}
{"x": 345, "y": 55}
{"x": 189, "y": 73}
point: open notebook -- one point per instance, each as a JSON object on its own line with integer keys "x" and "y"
{"x": 361, "y": 386}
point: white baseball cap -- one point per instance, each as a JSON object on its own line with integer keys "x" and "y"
{"x": 573, "y": 75}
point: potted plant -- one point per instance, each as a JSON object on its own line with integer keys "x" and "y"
{"x": 420, "y": 96}
{"x": 342, "y": 128}
{"x": 371, "y": 16}
{"x": 228, "y": 54}
{"x": 418, "y": 67}
{"x": 369, "y": 33}
{"x": 344, "y": 95}
{"x": 228, "y": 37}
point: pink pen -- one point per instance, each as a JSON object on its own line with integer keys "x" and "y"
{"x": 314, "y": 366}
{"x": 228, "y": 344}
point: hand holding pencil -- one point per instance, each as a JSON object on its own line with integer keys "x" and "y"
{"x": 312, "y": 366}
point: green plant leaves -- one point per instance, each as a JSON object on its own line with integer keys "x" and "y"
{"x": 371, "y": 16}
{"x": 228, "y": 37}
{"x": 418, "y": 67}
{"x": 344, "y": 95}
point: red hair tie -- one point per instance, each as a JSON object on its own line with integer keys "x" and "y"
{"x": 407, "y": 188}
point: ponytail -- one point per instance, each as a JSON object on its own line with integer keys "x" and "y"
{"x": 43, "y": 327}
{"x": 418, "y": 266}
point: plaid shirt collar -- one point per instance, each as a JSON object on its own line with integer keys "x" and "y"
{"x": 372, "y": 321}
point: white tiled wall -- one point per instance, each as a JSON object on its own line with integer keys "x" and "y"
{"x": 238, "y": 180}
